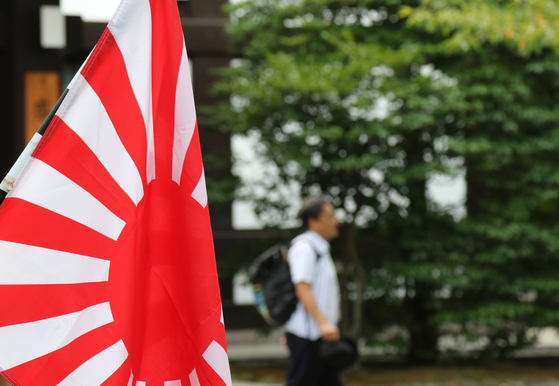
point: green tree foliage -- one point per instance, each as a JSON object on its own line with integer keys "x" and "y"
{"x": 364, "y": 100}
{"x": 503, "y": 54}
{"x": 524, "y": 27}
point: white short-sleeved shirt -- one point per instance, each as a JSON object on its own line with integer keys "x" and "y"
{"x": 320, "y": 273}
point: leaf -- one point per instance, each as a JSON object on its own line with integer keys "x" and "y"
{"x": 405, "y": 11}
{"x": 509, "y": 34}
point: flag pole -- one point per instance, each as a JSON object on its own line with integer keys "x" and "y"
{"x": 10, "y": 179}
{"x": 8, "y": 183}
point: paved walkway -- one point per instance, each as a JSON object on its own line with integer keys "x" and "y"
{"x": 249, "y": 346}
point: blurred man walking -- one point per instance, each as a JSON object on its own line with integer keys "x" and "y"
{"x": 316, "y": 285}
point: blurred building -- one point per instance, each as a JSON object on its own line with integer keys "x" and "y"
{"x": 41, "y": 50}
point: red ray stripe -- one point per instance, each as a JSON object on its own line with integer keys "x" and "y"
{"x": 107, "y": 75}
{"x": 41, "y": 372}
{"x": 193, "y": 166}
{"x": 26, "y": 223}
{"x": 167, "y": 46}
{"x": 73, "y": 158}
{"x": 28, "y": 303}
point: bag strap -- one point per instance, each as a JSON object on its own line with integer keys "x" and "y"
{"x": 318, "y": 254}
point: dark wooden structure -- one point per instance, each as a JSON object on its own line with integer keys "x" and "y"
{"x": 21, "y": 53}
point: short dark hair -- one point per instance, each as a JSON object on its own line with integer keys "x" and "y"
{"x": 312, "y": 208}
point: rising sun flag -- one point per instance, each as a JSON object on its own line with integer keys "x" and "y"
{"x": 107, "y": 266}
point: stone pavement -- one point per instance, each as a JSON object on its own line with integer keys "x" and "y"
{"x": 249, "y": 345}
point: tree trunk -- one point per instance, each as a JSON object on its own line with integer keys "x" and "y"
{"x": 423, "y": 333}
{"x": 418, "y": 303}
{"x": 346, "y": 317}
{"x": 359, "y": 277}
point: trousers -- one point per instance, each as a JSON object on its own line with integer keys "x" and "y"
{"x": 304, "y": 369}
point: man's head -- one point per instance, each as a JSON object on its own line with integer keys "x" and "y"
{"x": 317, "y": 215}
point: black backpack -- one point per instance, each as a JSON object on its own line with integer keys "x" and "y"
{"x": 274, "y": 290}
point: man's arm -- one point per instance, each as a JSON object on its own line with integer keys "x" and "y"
{"x": 305, "y": 296}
